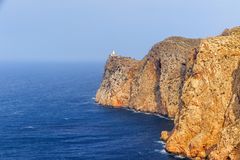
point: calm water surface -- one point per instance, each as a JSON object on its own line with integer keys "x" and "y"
{"x": 47, "y": 112}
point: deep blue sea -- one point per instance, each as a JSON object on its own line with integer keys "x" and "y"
{"x": 47, "y": 112}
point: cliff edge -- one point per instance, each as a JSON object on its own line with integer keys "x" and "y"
{"x": 153, "y": 84}
{"x": 194, "y": 81}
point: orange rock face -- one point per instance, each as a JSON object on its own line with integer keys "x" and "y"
{"x": 117, "y": 80}
{"x": 208, "y": 124}
{"x": 153, "y": 84}
{"x": 196, "y": 81}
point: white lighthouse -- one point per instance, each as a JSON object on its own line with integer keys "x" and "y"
{"x": 113, "y": 53}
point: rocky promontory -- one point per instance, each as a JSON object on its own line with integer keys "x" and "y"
{"x": 153, "y": 84}
{"x": 194, "y": 81}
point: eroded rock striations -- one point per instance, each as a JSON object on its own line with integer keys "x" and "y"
{"x": 153, "y": 84}
{"x": 208, "y": 124}
{"x": 197, "y": 81}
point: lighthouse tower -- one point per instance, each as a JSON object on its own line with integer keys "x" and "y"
{"x": 113, "y": 53}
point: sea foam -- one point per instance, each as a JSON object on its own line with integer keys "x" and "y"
{"x": 162, "y": 151}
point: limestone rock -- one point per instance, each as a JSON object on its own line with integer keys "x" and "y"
{"x": 164, "y": 135}
{"x": 116, "y": 84}
{"x": 197, "y": 81}
{"x": 153, "y": 84}
{"x": 208, "y": 123}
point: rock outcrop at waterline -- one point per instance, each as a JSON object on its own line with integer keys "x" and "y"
{"x": 153, "y": 84}
{"x": 197, "y": 81}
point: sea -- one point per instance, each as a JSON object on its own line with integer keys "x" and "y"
{"x": 48, "y": 112}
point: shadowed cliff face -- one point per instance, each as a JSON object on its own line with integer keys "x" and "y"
{"x": 153, "y": 84}
{"x": 195, "y": 81}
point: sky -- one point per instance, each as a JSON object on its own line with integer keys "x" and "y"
{"x": 88, "y": 30}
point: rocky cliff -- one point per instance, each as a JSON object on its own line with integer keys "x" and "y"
{"x": 153, "y": 84}
{"x": 208, "y": 124}
{"x": 194, "y": 80}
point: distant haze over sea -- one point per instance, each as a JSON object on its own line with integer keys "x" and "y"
{"x": 53, "y": 30}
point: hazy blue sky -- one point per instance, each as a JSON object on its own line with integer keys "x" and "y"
{"x": 87, "y": 30}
